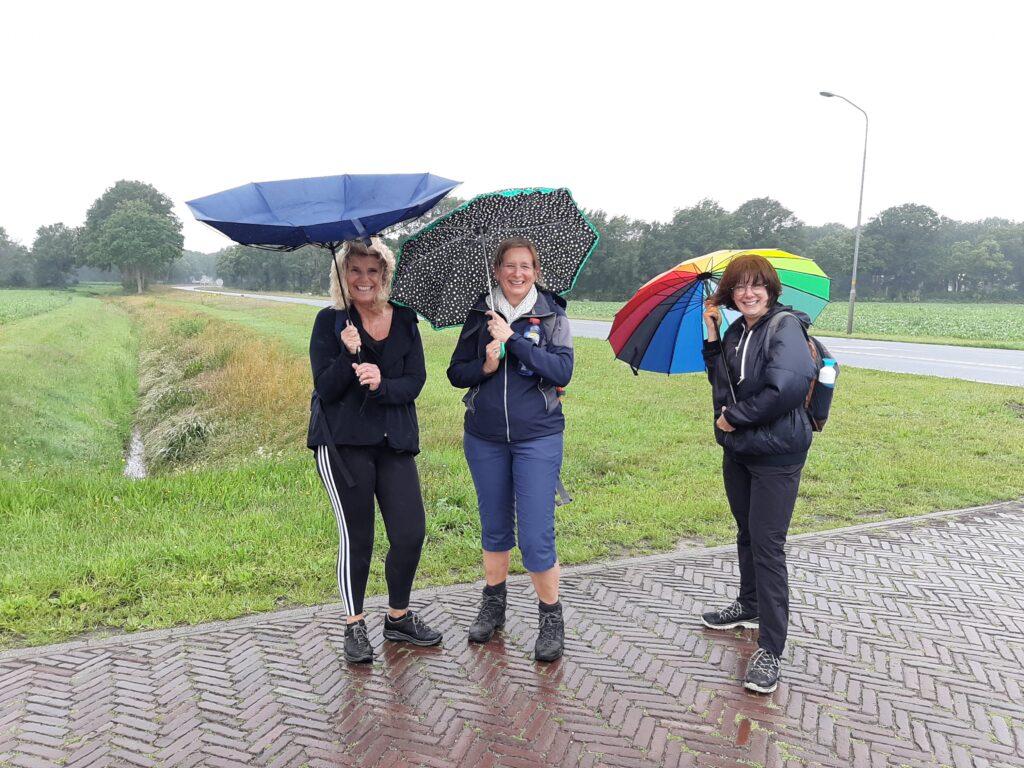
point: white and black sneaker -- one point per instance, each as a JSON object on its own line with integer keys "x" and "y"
{"x": 731, "y": 617}
{"x": 763, "y": 672}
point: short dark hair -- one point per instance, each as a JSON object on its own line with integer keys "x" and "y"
{"x": 743, "y": 269}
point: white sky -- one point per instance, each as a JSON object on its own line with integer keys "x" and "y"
{"x": 639, "y": 107}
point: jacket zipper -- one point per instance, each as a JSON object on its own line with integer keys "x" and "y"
{"x": 508, "y": 429}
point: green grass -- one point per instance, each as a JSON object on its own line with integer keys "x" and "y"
{"x": 998, "y": 326}
{"x": 67, "y": 385}
{"x": 244, "y": 526}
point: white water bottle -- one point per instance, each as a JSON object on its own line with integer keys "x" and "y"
{"x": 827, "y": 373}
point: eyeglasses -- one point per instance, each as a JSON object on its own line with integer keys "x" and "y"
{"x": 751, "y": 286}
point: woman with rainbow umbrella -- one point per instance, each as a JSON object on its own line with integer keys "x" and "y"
{"x": 760, "y": 368}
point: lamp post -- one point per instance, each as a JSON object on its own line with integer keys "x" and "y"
{"x": 860, "y": 206}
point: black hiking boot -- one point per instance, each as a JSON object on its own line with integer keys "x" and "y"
{"x": 730, "y": 617}
{"x": 490, "y": 617}
{"x": 357, "y": 643}
{"x": 551, "y": 636}
{"x": 763, "y": 672}
{"x": 410, "y": 629}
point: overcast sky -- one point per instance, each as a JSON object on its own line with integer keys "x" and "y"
{"x": 640, "y": 108}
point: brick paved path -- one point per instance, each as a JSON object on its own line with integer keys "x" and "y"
{"x": 907, "y": 648}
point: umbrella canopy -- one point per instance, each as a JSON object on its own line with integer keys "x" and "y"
{"x": 326, "y": 210}
{"x": 443, "y": 269}
{"x": 661, "y": 329}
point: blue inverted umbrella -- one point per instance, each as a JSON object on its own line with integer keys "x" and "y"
{"x": 324, "y": 211}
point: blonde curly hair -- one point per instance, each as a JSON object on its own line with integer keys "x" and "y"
{"x": 376, "y": 248}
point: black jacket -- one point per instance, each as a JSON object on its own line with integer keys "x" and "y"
{"x": 355, "y": 415}
{"x": 772, "y": 426}
{"x": 507, "y": 406}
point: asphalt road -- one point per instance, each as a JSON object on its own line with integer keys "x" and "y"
{"x": 993, "y": 366}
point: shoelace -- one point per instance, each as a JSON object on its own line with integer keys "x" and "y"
{"x": 734, "y": 610}
{"x": 491, "y": 607}
{"x": 549, "y": 623}
{"x": 359, "y": 633}
{"x": 765, "y": 663}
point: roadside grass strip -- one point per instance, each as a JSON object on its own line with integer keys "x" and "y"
{"x": 67, "y": 386}
{"x": 239, "y": 523}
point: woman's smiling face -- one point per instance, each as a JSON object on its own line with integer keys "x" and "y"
{"x": 363, "y": 277}
{"x": 517, "y": 274}
{"x": 751, "y": 299}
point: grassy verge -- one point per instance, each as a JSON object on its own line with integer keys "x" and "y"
{"x": 997, "y": 326}
{"x": 67, "y": 386}
{"x": 239, "y": 523}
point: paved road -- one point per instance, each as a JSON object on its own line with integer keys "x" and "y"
{"x": 994, "y": 366}
{"x": 906, "y": 649}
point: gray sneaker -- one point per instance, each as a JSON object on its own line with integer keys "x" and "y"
{"x": 730, "y": 617}
{"x": 763, "y": 672}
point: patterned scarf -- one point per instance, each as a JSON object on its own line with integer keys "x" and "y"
{"x": 511, "y": 313}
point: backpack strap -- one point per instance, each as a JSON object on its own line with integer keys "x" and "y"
{"x": 773, "y": 326}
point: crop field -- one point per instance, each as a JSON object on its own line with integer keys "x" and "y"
{"x": 980, "y": 325}
{"x": 17, "y": 304}
{"x": 232, "y": 518}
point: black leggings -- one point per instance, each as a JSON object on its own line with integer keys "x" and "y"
{"x": 393, "y": 479}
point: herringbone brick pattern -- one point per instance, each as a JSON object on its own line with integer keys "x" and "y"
{"x": 907, "y": 649}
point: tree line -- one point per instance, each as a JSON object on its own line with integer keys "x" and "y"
{"x": 130, "y": 230}
{"x": 907, "y": 252}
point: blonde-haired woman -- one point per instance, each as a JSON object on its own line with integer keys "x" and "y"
{"x": 368, "y": 369}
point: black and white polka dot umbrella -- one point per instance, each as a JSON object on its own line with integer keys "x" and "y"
{"x": 443, "y": 269}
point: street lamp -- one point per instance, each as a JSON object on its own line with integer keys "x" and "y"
{"x": 860, "y": 206}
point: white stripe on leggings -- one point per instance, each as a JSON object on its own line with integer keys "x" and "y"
{"x": 344, "y": 556}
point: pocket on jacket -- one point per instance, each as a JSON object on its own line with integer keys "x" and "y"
{"x": 470, "y": 398}
{"x": 550, "y": 398}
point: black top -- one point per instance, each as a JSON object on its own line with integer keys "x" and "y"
{"x": 354, "y": 414}
{"x": 376, "y": 346}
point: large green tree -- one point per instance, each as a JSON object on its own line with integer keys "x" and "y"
{"x": 906, "y": 242}
{"x": 55, "y": 253}
{"x": 94, "y": 253}
{"x": 767, "y": 223}
{"x": 141, "y": 242}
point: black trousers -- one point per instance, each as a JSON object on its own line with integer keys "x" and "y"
{"x": 762, "y": 500}
{"x": 392, "y": 478}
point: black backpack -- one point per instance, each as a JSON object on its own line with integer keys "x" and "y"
{"x": 818, "y": 402}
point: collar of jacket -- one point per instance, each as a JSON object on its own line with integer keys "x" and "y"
{"x": 547, "y": 304}
{"x": 741, "y": 323}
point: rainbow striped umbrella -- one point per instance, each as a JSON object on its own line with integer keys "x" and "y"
{"x": 660, "y": 329}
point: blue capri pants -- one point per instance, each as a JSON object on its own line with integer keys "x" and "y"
{"x": 515, "y": 488}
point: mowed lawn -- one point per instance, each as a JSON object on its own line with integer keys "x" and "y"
{"x": 974, "y": 324}
{"x": 238, "y": 523}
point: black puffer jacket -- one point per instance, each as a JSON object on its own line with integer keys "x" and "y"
{"x": 356, "y": 415}
{"x": 772, "y": 426}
